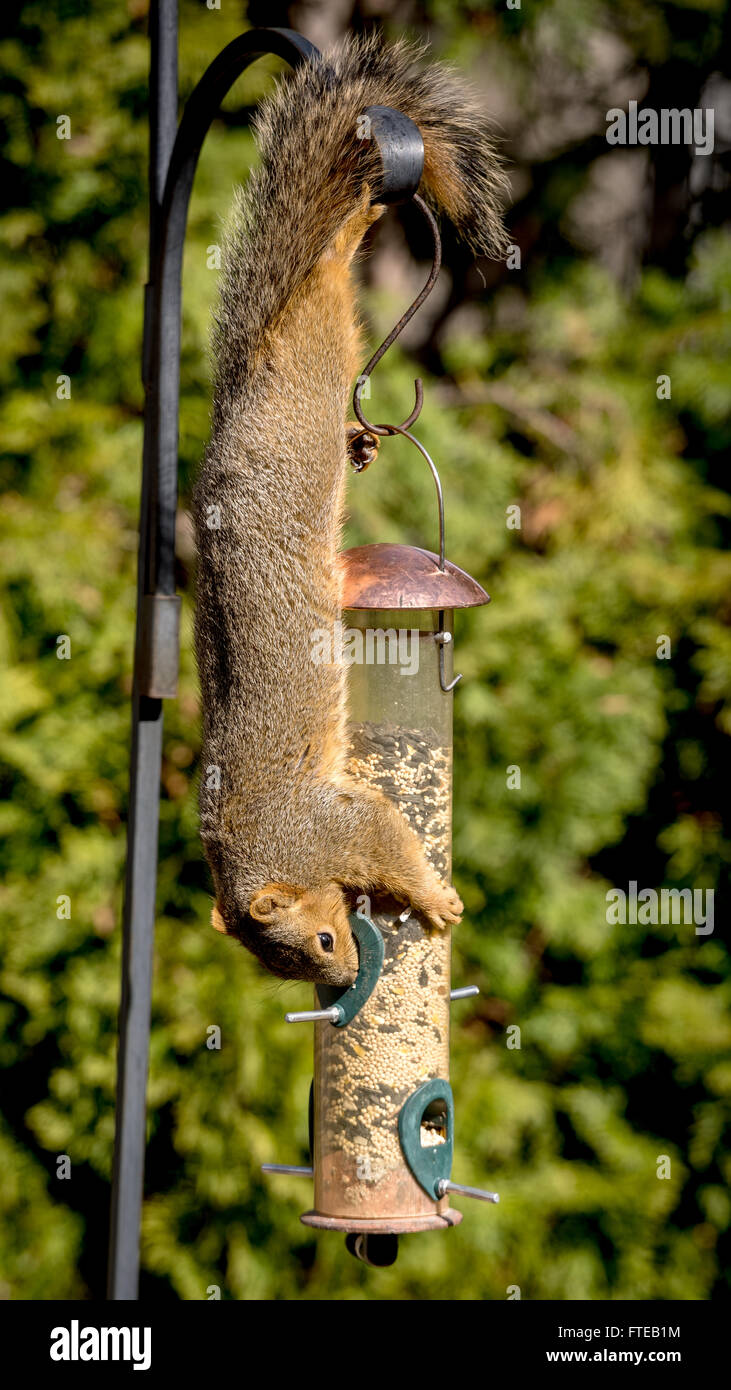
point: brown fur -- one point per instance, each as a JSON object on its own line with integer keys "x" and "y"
{"x": 289, "y": 833}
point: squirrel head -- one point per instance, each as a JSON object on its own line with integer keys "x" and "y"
{"x": 298, "y": 933}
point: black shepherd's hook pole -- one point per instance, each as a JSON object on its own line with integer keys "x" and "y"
{"x": 173, "y": 160}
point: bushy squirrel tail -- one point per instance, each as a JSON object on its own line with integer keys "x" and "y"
{"x": 314, "y": 162}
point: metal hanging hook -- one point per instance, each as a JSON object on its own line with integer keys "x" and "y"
{"x": 393, "y": 335}
{"x": 442, "y": 637}
{"x": 401, "y": 429}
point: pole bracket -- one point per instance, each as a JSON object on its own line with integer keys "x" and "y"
{"x": 159, "y": 646}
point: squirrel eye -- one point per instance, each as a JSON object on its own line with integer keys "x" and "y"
{"x": 325, "y": 940}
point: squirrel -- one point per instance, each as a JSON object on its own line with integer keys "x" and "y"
{"x": 289, "y": 835}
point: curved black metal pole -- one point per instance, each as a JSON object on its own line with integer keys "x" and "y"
{"x": 145, "y": 758}
{"x": 173, "y": 160}
{"x": 164, "y": 385}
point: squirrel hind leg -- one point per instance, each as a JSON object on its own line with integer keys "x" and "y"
{"x": 348, "y": 238}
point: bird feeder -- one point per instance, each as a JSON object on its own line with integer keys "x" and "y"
{"x": 373, "y": 1163}
{"x": 381, "y": 1107}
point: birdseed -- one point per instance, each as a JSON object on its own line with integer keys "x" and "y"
{"x": 400, "y": 1038}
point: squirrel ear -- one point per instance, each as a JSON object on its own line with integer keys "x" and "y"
{"x": 274, "y": 898}
{"x": 217, "y": 921}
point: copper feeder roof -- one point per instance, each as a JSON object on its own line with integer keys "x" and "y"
{"x": 403, "y": 576}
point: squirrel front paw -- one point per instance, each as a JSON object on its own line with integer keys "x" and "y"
{"x": 440, "y": 904}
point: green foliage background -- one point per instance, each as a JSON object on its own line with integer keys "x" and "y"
{"x": 541, "y": 391}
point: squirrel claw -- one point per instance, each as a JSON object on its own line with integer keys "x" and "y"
{"x": 362, "y": 447}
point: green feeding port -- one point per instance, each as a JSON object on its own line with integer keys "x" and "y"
{"x": 350, "y": 1001}
{"x": 426, "y": 1132}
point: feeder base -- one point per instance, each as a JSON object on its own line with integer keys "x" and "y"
{"x": 386, "y": 1226}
